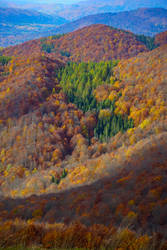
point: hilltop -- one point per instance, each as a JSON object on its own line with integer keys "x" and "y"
{"x": 95, "y": 43}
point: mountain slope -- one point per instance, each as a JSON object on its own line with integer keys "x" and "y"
{"x": 99, "y": 42}
{"x": 54, "y": 168}
{"x": 95, "y": 43}
{"x": 161, "y": 38}
{"x": 141, "y": 21}
{"x": 138, "y": 193}
{"x": 36, "y": 75}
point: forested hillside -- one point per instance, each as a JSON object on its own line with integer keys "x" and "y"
{"x": 83, "y": 131}
{"x": 99, "y": 42}
{"x": 93, "y": 43}
{"x": 161, "y": 38}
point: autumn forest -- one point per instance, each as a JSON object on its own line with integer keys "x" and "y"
{"x": 83, "y": 141}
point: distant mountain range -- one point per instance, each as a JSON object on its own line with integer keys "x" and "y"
{"x": 83, "y": 8}
{"x": 20, "y": 17}
{"x": 147, "y": 21}
{"x": 17, "y": 26}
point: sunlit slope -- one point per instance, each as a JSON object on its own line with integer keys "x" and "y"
{"x": 97, "y": 43}
{"x": 142, "y": 83}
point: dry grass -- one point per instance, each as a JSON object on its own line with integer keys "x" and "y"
{"x": 21, "y": 235}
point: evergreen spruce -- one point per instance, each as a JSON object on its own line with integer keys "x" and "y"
{"x": 79, "y": 81}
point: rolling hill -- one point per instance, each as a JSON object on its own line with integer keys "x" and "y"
{"x": 97, "y": 42}
{"x": 147, "y": 21}
{"x": 83, "y": 8}
{"x": 17, "y": 25}
{"x": 20, "y": 17}
{"x": 83, "y": 152}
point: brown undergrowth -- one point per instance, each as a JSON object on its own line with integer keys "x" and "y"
{"x": 76, "y": 235}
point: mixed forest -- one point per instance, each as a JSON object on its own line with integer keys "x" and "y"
{"x": 83, "y": 132}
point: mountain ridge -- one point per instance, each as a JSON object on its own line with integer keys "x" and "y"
{"x": 140, "y": 21}
{"x": 87, "y": 44}
{"x": 84, "y": 8}
{"x": 17, "y": 16}
{"x": 146, "y": 21}
{"x": 21, "y": 25}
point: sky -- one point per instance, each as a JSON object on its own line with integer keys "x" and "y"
{"x": 44, "y": 1}
{"x": 63, "y": 1}
{"x": 28, "y": 3}
{"x": 58, "y": 1}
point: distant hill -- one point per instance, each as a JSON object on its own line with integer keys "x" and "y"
{"x": 18, "y": 16}
{"x": 17, "y": 25}
{"x": 83, "y": 8}
{"x": 147, "y": 21}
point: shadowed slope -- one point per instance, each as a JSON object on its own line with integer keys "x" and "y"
{"x": 135, "y": 189}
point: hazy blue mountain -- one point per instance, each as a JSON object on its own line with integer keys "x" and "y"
{"x": 74, "y": 9}
{"x": 18, "y": 25}
{"x": 147, "y": 21}
{"x": 84, "y": 8}
{"x": 20, "y": 17}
